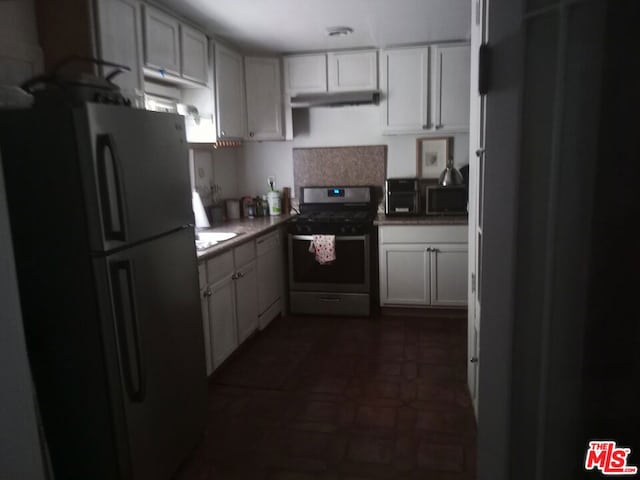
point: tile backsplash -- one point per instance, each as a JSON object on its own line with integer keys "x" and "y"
{"x": 340, "y": 166}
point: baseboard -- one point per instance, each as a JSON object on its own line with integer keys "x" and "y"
{"x": 429, "y": 312}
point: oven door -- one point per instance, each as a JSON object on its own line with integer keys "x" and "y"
{"x": 349, "y": 272}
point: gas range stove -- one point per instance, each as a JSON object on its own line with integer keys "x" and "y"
{"x": 343, "y": 285}
{"x": 335, "y": 211}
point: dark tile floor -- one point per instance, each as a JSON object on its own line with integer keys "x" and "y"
{"x": 342, "y": 399}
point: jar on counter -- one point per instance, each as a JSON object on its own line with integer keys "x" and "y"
{"x": 259, "y": 207}
{"x": 251, "y": 210}
{"x": 273, "y": 198}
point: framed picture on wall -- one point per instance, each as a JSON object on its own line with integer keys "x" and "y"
{"x": 432, "y": 154}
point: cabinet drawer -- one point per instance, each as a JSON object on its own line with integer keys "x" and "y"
{"x": 219, "y": 267}
{"x": 244, "y": 253}
{"x": 267, "y": 243}
{"x": 423, "y": 234}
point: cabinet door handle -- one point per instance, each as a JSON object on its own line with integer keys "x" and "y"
{"x": 474, "y": 360}
{"x": 207, "y": 293}
{"x": 330, "y": 299}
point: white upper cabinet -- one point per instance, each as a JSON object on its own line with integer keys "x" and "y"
{"x": 229, "y": 93}
{"x": 264, "y": 98}
{"x": 331, "y": 72}
{"x": 405, "y": 84}
{"x": 352, "y": 71}
{"x": 193, "y": 49}
{"x": 425, "y": 88}
{"x": 305, "y": 73}
{"x": 451, "y": 86}
{"x": 161, "y": 41}
{"x": 120, "y": 41}
{"x": 174, "y": 51}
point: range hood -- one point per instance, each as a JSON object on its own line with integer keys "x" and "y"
{"x": 337, "y": 99}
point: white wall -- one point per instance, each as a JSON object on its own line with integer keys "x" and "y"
{"x": 20, "y": 56}
{"x": 331, "y": 127}
{"x": 215, "y": 167}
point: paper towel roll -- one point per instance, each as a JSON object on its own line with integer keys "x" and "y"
{"x": 198, "y": 211}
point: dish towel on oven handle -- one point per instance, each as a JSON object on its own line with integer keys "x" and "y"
{"x": 324, "y": 248}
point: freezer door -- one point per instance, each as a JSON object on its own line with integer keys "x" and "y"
{"x": 152, "y": 307}
{"x": 135, "y": 173}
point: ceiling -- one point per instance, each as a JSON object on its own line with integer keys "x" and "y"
{"x": 284, "y": 26}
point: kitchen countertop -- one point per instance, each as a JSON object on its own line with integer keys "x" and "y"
{"x": 383, "y": 219}
{"x": 246, "y": 228}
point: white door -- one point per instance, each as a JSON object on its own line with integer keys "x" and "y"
{"x": 222, "y": 318}
{"x": 229, "y": 93}
{"x": 195, "y": 58}
{"x": 405, "y": 84}
{"x": 404, "y": 274}
{"x": 246, "y": 305}
{"x": 448, "y": 274}
{"x": 264, "y": 98}
{"x": 450, "y": 99}
{"x": 476, "y": 167}
{"x": 120, "y": 41}
{"x": 161, "y": 41}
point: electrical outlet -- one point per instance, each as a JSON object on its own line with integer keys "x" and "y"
{"x": 200, "y": 172}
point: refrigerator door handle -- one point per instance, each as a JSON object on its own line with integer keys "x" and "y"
{"x": 110, "y": 186}
{"x": 128, "y": 329}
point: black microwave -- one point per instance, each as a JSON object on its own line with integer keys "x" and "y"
{"x": 450, "y": 200}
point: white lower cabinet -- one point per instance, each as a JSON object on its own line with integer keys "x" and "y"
{"x": 222, "y": 320}
{"x": 449, "y": 274}
{"x": 246, "y": 306}
{"x": 230, "y": 294}
{"x": 423, "y": 265}
{"x": 406, "y": 274}
{"x": 205, "y": 293}
{"x": 269, "y": 277}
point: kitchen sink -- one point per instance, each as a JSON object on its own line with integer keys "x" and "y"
{"x": 206, "y": 240}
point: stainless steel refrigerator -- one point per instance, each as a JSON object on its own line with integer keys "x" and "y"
{"x": 100, "y": 211}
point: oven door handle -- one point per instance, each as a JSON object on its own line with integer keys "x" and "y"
{"x": 338, "y": 237}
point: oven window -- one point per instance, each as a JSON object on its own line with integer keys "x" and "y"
{"x": 348, "y": 267}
